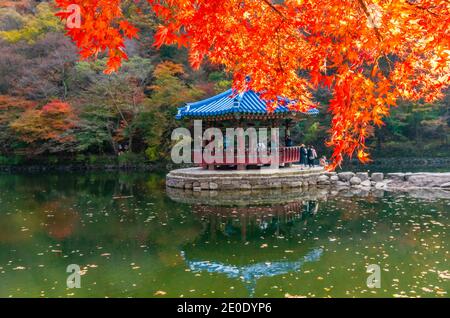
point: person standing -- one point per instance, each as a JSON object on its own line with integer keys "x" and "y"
{"x": 310, "y": 158}
{"x": 314, "y": 155}
{"x": 288, "y": 141}
{"x": 323, "y": 161}
{"x": 303, "y": 155}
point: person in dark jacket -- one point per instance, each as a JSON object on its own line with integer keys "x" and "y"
{"x": 303, "y": 154}
{"x": 310, "y": 157}
{"x": 288, "y": 141}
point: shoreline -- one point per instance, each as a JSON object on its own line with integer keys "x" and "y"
{"x": 394, "y": 164}
{"x": 199, "y": 180}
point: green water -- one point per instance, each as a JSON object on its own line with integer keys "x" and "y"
{"x": 131, "y": 240}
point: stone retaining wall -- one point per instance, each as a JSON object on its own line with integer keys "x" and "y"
{"x": 196, "y": 179}
{"x": 388, "y": 181}
{"x": 233, "y": 180}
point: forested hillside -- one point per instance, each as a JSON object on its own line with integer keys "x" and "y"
{"x": 57, "y": 108}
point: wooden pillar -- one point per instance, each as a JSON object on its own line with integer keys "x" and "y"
{"x": 242, "y": 166}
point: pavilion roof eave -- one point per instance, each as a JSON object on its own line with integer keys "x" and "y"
{"x": 228, "y": 105}
{"x": 248, "y": 116}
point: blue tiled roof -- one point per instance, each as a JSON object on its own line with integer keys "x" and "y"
{"x": 227, "y": 102}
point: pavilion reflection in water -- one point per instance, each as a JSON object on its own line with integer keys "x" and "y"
{"x": 232, "y": 237}
{"x": 229, "y": 220}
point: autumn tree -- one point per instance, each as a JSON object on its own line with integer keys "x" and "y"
{"x": 168, "y": 90}
{"x": 47, "y": 129}
{"x": 10, "y": 19}
{"x": 111, "y": 104}
{"x": 369, "y": 53}
{"x": 33, "y": 26}
{"x": 11, "y": 109}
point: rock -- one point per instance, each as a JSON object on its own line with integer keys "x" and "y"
{"x": 355, "y": 181}
{"x": 380, "y": 185}
{"x": 396, "y": 176}
{"x": 356, "y": 192}
{"x": 366, "y": 183}
{"x": 378, "y": 193}
{"x": 429, "y": 179}
{"x": 197, "y": 189}
{"x": 377, "y": 176}
{"x": 204, "y": 185}
{"x": 179, "y": 185}
{"x": 363, "y": 176}
{"x": 246, "y": 186}
{"x": 345, "y": 176}
{"x": 324, "y": 180}
{"x": 445, "y": 185}
{"x": 342, "y": 184}
{"x": 334, "y": 179}
{"x": 213, "y": 186}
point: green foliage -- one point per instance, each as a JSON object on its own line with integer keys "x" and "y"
{"x": 221, "y": 81}
{"x": 14, "y": 160}
{"x": 311, "y": 133}
{"x": 129, "y": 158}
{"x": 169, "y": 91}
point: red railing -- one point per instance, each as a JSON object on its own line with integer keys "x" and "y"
{"x": 286, "y": 155}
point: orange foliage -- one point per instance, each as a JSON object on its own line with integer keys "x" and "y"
{"x": 11, "y": 107}
{"x": 49, "y": 123}
{"x": 370, "y": 53}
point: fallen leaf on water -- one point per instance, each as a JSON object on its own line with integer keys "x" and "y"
{"x": 287, "y": 295}
{"x": 444, "y": 274}
{"x": 160, "y": 293}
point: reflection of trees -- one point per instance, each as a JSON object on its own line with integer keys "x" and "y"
{"x": 74, "y": 219}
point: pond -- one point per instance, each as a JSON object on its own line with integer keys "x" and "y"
{"x": 130, "y": 239}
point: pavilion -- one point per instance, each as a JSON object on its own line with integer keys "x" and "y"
{"x": 247, "y": 109}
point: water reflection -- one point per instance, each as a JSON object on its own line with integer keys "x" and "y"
{"x": 133, "y": 239}
{"x": 244, "y": 223}
{"x": 255, "y": 219}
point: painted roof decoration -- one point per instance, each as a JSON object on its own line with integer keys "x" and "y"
{"x": 227, "y": 103}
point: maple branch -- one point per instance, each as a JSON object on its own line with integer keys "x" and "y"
{"x": 366, "y": 11}
{"x": 270, "y": 4}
